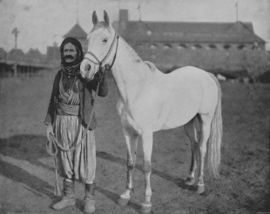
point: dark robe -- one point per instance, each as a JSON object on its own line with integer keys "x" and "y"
{"x": 86, "y": 99}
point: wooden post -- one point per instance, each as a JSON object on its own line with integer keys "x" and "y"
{"x": 15, "y": 67}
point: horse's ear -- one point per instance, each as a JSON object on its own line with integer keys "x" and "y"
{"x": 106, "y": 17}
{"x": 94, "y": 18}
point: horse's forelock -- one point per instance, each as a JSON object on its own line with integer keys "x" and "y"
{"x": 98, "y": 26}
{"x": 101, "y": 25}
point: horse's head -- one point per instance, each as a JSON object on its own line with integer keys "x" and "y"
{"x": 102, "y": 47}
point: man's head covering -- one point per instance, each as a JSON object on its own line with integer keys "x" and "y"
{"x": 78, "y": 47}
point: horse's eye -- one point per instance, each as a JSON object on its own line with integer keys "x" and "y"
{"x": 105, "y": 40}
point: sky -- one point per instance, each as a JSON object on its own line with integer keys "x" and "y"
{"x": 43, "y": 22}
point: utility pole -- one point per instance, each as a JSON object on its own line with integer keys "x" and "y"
{"x": 77, "y": 12}
{"x": 139, "y": 11}
{"x": 16, "y": 32}
{"x": 236, "y": 10}
{"x": 119, "y": 6}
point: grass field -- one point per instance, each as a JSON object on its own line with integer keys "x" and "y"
{"x": 27, "y": 173}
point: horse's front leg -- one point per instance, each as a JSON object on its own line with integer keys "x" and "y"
{"x": 147, "y": 143}
{"x": 131, "y": 139}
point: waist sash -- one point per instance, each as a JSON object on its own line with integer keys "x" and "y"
{"x": 67, "y": 109}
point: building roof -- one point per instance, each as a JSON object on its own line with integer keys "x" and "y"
{"x": 3, "y": 53}
{"x": 15, "y": 54}
{"x": 236, "y": 32}
{"x": 34, "y": 54}
{"x": 77, "y": 32}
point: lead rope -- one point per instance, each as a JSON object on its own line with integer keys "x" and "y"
{"x": 52, "y": 149}
{"x": 92, "y": 111}
{"x": 53, "y": 145}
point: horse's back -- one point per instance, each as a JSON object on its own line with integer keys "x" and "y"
{"x": 189, "y": 73}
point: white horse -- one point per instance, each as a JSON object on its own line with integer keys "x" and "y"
{"x": 151, "y": 100}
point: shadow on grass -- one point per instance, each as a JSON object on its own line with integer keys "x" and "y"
{"x": 29, "y": 148}
{"x": 178, "y": 181}
{"x": 25, "y": 147}
{"x": 33, "y": 183}
{"x": 32, "y": 147}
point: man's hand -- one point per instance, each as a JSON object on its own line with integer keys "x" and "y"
{"x": 49, "y": 131}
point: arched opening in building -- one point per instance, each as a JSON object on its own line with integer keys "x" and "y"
{"x": 182, "y": 46}
{"x": 227, "y": 46}
{"x": 167, "y": 46}
{"x": 212, "y": 46}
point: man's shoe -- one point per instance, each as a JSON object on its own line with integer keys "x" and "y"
{"x": 63, "y": 203}
{"x": 89, "y": 206}
{"x": 68, "y": 196}
{"x": 89, "y": 199}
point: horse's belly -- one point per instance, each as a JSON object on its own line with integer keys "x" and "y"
{"x": 178, "y": 114}
{"x": 181, "y": 105}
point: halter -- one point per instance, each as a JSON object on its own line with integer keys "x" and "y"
{"x": 98, "y": 62}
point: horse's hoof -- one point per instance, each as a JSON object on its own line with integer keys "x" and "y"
{"x": 123, "y": 201}
{"x": 190, "y": 181}
{"x": 200, "y": 189}
{"x": 146, "y": 208}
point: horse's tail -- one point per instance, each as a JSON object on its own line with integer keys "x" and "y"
{"x": 215, "y": 138}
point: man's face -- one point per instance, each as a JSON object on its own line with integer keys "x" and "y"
{"x": 69, "y": 52}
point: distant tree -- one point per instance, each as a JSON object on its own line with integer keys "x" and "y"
{"x": 256, "y": 63}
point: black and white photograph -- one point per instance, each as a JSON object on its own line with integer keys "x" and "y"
{"x": 134, "y": 107}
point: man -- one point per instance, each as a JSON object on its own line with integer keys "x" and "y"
{"x": 67, "y": 121}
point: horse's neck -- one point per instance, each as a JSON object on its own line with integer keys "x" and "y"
{"x": 129, "y": 71}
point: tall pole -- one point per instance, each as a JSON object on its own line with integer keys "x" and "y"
{"x": 119, "y": 6}
{"x": 77, "y": 11}
{"x": 139, "y": 10}
{"x": 16, "y": 32}
{"x": 236, "y": 10}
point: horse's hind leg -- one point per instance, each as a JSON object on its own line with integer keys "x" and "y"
{"x": 131, "y": 139}
{"x": 192, "y": 133}
{"x": 206, "y": 120}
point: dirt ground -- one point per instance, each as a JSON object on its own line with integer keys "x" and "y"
{"x": 27, "y": 173}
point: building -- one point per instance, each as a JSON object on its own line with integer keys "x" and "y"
{"x": 3, "y": 58}
{"x": 53, "y": 55}
{"x": 77, "y": 32}
{"x": 34, "y": 56}
{"x": 16, "y": 54}
{"x": 211, "y": 46}
{"x": 231, "y": 48}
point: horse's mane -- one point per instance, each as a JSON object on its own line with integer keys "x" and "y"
{"x": 151, "y": 66}
{"x": 133, "y": 53}
{"x": 137, "y": 58}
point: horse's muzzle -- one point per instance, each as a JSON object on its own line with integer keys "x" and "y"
{"x": 85, "y": 70}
